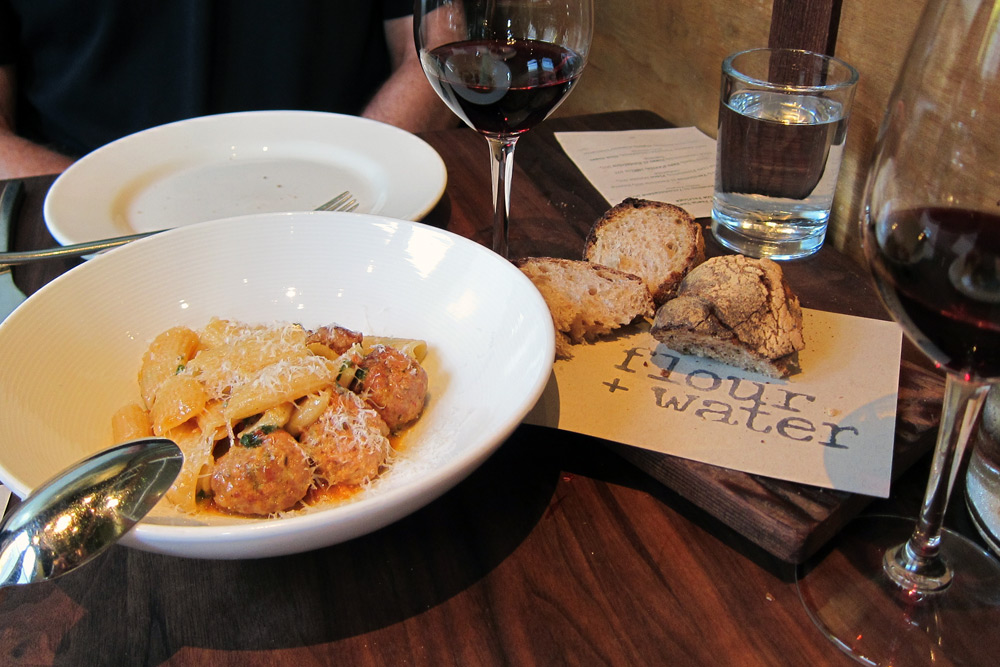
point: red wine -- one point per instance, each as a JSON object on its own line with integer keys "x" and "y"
{"x": 502, "y": 87}
{"x": 938, "y": 270}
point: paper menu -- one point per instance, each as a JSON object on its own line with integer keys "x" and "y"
{"x": 674, "y": 165}
{"x": 832, "y": 425}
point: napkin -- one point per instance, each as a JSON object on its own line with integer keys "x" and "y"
{"x": 675, "y": 165}
{"x": 831, "y": 425}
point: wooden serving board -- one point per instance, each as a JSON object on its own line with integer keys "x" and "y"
{"x": 789, "y": 520}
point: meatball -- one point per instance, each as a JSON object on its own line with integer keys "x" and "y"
{"x": 266, "y": 472}
{"x": 348, "y": 442}
{"x": 394, "y": 384}
{"x": 336, "y": 338}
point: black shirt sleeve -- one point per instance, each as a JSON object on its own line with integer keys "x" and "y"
{"x": 393, "y": 9}
{"x": 8, "y": 34}
{"x": 97, "y": 70}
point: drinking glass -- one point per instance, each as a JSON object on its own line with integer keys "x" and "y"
{"x": 894, "y": 592}
{"x": 783, "y": 117}
{"x": 503, "y": 66}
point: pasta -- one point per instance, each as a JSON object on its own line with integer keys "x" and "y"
{"x": 267, "y": 415}
{"x": 130, "y": 423}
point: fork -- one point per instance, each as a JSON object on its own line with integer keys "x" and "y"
{"x": 344, "y": 202}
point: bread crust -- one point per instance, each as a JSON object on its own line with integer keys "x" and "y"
{"x": 656, "y": 241}
{"x": 737, "y": 310}
{"x": 586, "y": 300}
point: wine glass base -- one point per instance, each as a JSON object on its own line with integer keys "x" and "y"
{"x": 853, "y": 602}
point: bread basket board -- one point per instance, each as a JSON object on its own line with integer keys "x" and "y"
{"x": 790, "y": 521}
{"x": 784, "y": 462}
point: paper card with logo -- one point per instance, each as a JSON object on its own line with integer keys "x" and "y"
{"x": 831, "y": 425}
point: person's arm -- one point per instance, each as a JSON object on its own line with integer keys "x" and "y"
{"x": 406, "y": 99}
{"x": 19, "y": 157}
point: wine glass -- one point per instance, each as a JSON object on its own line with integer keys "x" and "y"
{"x": 895, "y": 592}
{"x": 503, "y": 66}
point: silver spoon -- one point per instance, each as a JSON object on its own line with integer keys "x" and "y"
{"x": 85, "y": 509}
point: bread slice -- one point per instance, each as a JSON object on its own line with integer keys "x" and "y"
{"x": 737, "y": 310}
{"x": 586, "y": 300}
{"x": 658, "y": 242}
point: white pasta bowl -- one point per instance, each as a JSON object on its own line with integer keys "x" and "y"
{"x": 71, "y": 354}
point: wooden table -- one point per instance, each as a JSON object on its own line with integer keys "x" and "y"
{"x": 556, "y": 551}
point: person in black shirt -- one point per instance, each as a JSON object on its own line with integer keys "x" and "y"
{"x": 78, "y": 74}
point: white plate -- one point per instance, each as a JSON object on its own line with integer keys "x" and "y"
{"x": 71, "y": 353}
{"x": 215, "y": 167}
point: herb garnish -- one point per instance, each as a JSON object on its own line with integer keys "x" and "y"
{"x": 256, "y": 437}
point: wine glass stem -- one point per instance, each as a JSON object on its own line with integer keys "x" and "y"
{"x": 916, "y": 565}
{"x": 502, "y": 152}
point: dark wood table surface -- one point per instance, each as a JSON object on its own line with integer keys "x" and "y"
{"x": 557, "y": 550}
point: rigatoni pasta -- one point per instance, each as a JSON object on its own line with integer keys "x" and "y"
{"x": 131, "y": 422}
{"x": 267, "y": 414}
{"x": 168, "y": 352}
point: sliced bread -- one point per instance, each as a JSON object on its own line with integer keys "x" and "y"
{"x": 658, "y": 242}
{"x": 737, "y": 310}
{"x": 586, "y": 300}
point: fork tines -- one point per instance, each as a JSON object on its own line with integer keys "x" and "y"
{"x": 345, "y": 201}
